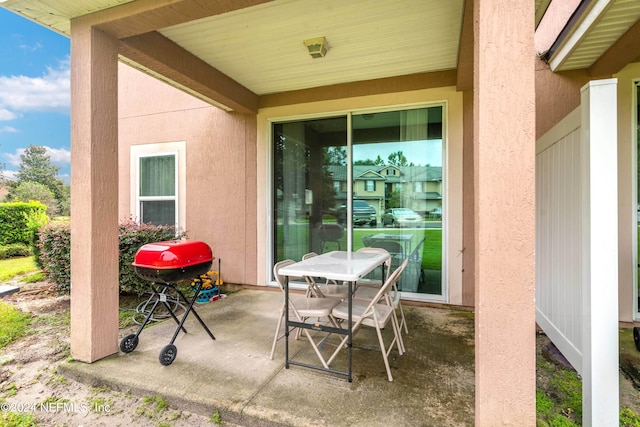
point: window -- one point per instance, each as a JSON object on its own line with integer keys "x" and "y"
{"x": 158, "y": 183}
{"x": 157, "y": 191}
{"x": 370, "y": 185}
{"x": 417, "y": 187}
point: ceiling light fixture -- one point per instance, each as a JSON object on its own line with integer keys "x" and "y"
{"x": 317, "y": 47}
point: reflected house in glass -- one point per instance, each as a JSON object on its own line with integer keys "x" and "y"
{"x": 420, "y": 186}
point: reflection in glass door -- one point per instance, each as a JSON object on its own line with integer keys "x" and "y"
{"x": 396, "y": 189}
{"x": 397, "y": 169}
{"x": 304, "y": 193}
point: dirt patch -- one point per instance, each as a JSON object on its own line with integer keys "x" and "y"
{"x": 30, "y": 383}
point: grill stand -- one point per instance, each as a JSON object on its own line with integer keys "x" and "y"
{"x": 168, "y": 352}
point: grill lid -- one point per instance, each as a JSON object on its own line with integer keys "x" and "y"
{"x": 172, "y": 254}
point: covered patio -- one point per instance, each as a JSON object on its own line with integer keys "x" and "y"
{"x": 248, "y": 58}
{"x": 433, "y": 382}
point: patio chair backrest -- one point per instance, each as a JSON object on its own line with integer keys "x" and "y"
{"x": 276, "y": 272}
{"x": 309, "y": 255}
{"x": 394, "y": 293}
{"x": 385, "y": 290}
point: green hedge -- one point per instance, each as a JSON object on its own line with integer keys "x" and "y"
{"x": 132, "y": 236}
{"x": 14, "y": 250}
{"x": 54, "y": 248}
{"x": 55, "y": 252}
{"x": 20, "y": 221}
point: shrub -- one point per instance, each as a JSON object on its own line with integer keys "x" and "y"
{"x": 14, "y": 250}
{"x": 27, "y": 191}
{"x": 132, "y": 236}
{"x": 20, "y": 221}
{"x": 55, "y": 247}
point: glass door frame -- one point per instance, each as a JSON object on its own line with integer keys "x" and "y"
{"x": 444, "y": 296}
{"x": 636, "y": 200}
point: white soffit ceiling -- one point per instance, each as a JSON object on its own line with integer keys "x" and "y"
{"x": 595, "y": 33}
{"x": 262, "y": 47}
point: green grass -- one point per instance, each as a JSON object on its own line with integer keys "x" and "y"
{"x": 9, "y": 268}
{"x": 13, "y": 419}
{"x": 13, "y": 323}
{"x": 33, "y": 278}
{"x": 628, "y": 418}
{"x": 297, "y": 243}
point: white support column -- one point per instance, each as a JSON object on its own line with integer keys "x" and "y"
{"x": 600, "y": 379}
{"x": 94, "y": 193}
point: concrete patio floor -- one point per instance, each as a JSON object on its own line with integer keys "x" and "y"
{"x": 433, "y": 381}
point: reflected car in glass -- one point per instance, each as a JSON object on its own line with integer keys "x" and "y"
{"x": 363, "y": 214}
{"x": 401, "y": 217}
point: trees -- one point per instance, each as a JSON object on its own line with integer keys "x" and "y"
{"x": 30, "y": 190}
{"x": 36, "y": 168}
{"x": 398, "y": 158}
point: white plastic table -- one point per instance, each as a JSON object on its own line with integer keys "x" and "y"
{"x": 337, "y": 265}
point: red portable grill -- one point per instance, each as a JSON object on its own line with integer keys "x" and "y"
{"x": 164, "y": 264}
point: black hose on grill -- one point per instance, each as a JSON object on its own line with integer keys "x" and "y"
{"x": 142, "y": 310}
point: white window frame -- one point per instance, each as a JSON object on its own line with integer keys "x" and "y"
{"x": 177, "y": 149}
{"x": 370, "y": 185}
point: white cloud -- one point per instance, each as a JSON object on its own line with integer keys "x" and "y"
{"x": 11, "y": 175}
{"x": 8, "y": 129}
{"x": 50, "y": 92}
{"x": 30, "y": 48}
{"x": 58, "y": 156}
{"x": 6, "y": 115}
{"x": 13, "y": 159}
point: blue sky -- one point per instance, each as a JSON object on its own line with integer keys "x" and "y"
{"x": 34, "y": 93}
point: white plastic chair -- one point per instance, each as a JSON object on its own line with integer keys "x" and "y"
{"x": 367, "y": 289}
{"x": 375, "y": 313}
{"x": 303, "y": 308}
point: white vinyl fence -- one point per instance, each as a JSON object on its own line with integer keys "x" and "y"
{"x": 577, "y": 251}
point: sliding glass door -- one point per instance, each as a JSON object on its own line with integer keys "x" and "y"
{"x": 365, "y": 179}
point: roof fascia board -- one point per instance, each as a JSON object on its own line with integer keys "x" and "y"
{"x": 573, "y": 34}
{"x": 165, "y": 58}
{"x": 143, "y": 16}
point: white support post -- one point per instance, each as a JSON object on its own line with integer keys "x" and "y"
{"x": 600, "y": 378}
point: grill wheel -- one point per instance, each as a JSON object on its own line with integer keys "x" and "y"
{"x": 129, "y": 343}
{"x": 168, "y": 354}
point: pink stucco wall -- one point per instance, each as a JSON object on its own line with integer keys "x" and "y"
{"x": 220, "y": 165}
